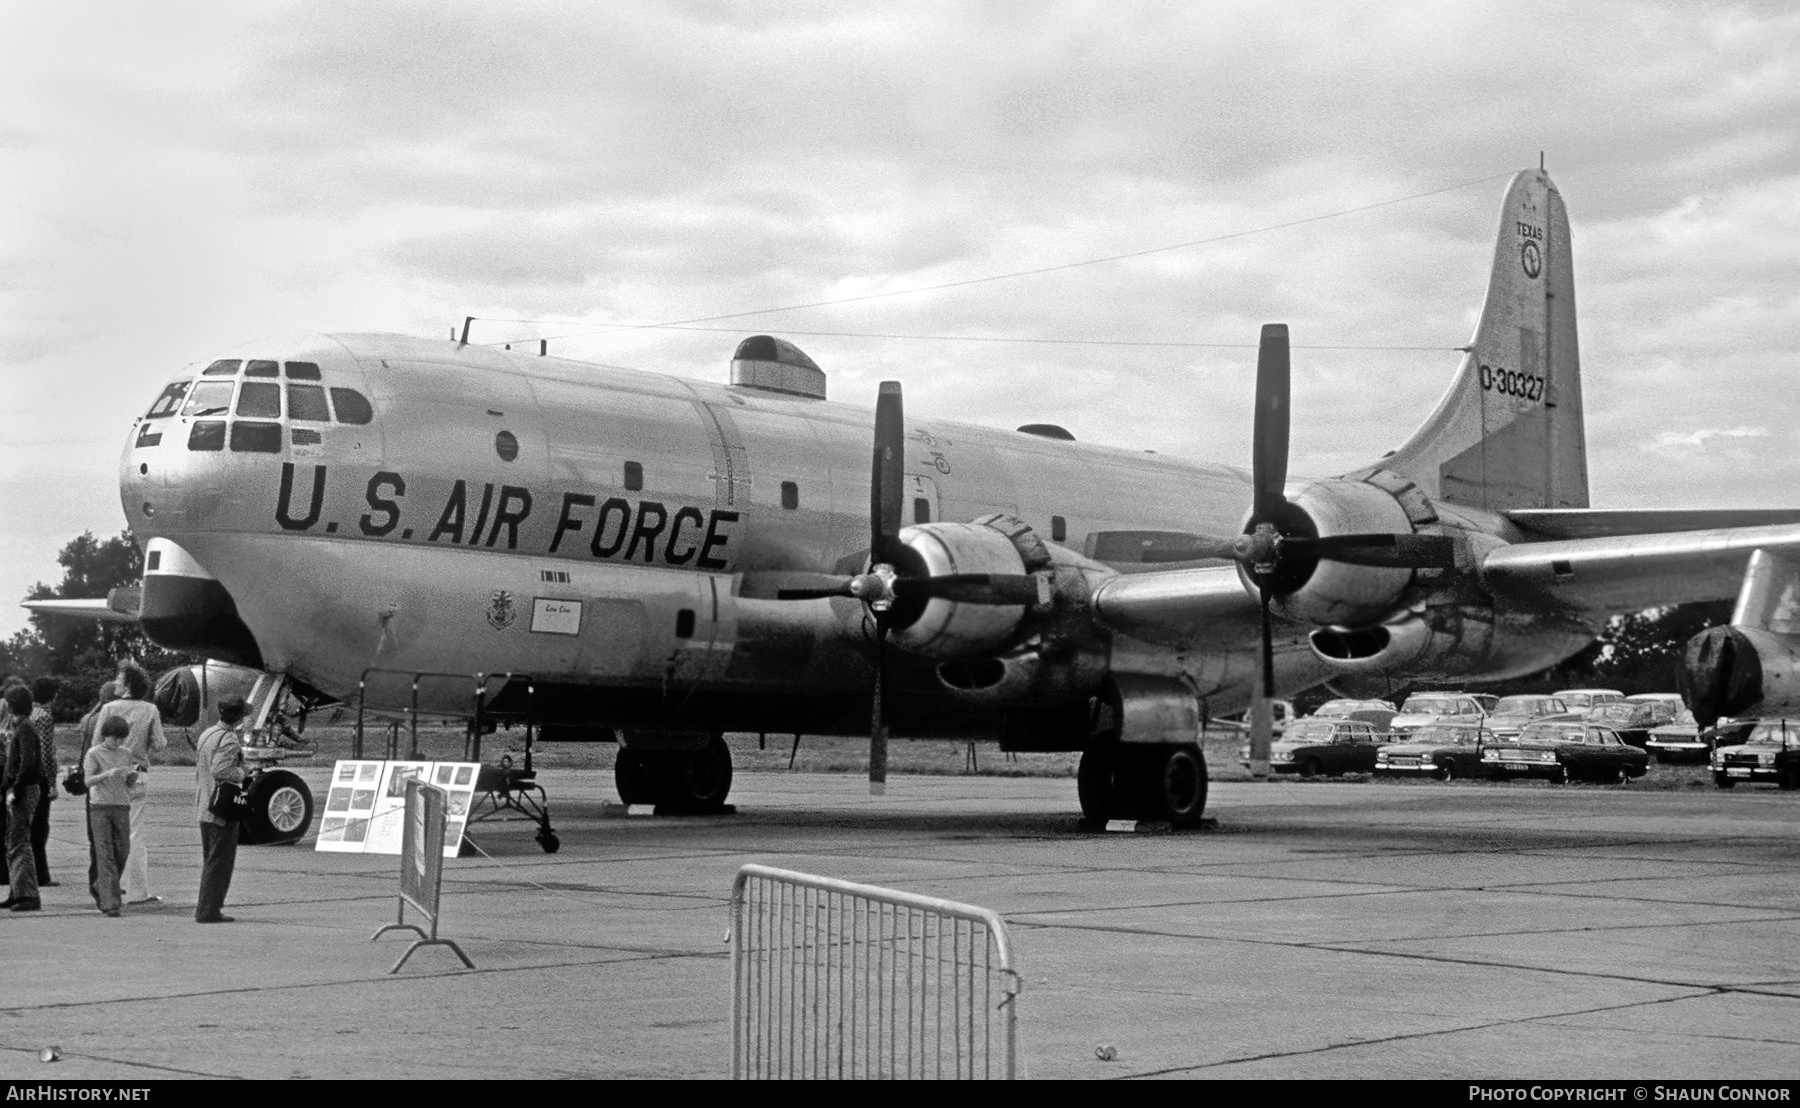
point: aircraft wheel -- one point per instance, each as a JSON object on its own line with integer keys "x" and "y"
{"x": 1094, "y": 781}
{"x": 548, "y": 840}
{"x": 281, "y": 809}
{"x": 634, "y": 775}
{"x": 1724, "y": 782}
{"x": 695, "y": 780}
{"x": 1176, "y": 776}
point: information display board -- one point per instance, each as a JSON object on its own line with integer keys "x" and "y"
{"x": 365, "y": 808}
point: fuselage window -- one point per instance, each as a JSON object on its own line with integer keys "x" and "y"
{"x": 224, "y": 367}
{"x": 255, "y": 438}
{"x": 168, "y": 401}
{"x": 262, "y": 367}
{"x": 209, "y": 398}
{"x": 1059, "y": 529}
{"x": 790, "y": 495}
{"x": 634, "y": 476}
{"x": 305, "y": 402}
{"x": 506, "y": 444}
{"x": 303, "y": 371}
{"x": 259, "y": 401}
{"x": 921, "y": 510}
{"x": 207, "y": 434}
{"x": 352, "y": 406}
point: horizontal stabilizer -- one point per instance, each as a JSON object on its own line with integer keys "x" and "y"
{"x": 1600, "y": 576}
{"x": 1595, "y": 523}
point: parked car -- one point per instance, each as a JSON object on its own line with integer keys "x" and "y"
{"x": 1563, "y": 750}
{"x": 1771, "y": 753}
{"x": 1437, "y": 707}
{"x": 1678, "y": 740}
{"x": 1512, "y": 713}
{"x": 1281, "y": 711}
{"x": 1442, "y": 750}
{"x": 1487, "y": 700}
{"x": 1377, "y": 712}
{"x": 1580, "y": 700}
{"x": 1633, "y": 722}
{"x": 1313, "y": 747}
{"x": 1667, "y": 705}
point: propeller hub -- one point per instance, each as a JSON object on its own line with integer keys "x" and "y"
{"x": 876, "y": 587}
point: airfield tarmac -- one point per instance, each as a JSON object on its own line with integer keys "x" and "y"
{"x": 1322, "y": 930}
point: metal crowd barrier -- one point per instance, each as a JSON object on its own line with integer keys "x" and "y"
{"x": 837, "y": 980}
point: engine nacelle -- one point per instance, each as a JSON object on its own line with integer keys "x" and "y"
{"x": 1448, "y": 642}
{"x": 1741, "y": 671}
{"x": 1752, "y": 667}
{"x": 954, "y": 629}
{"x": 1333, "y": 593}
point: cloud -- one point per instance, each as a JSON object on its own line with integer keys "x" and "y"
{"x": 1697, "y": 440}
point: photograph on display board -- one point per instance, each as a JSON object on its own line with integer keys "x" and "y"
{"x": 338, "y": 800}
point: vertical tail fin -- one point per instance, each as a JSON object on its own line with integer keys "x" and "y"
{"x": 1509, "y": 433}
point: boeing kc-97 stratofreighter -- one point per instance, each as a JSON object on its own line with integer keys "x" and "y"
{"x": 661, "y": 560}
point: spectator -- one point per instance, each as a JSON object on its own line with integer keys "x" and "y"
{"x": 217, "y": 757}
{"x": 43, "y": 693}
{"x": 109, "y": 768}
{"x": 146, "y": 735}
{"x": 19, "y": 783}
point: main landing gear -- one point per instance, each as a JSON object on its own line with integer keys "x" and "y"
{"x": 1144, "y": 781}
{"x": 680, "y": 782}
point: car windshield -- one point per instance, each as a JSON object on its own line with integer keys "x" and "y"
{"x": 1684, "y": 718}
{"x": 1544, "y": 732}
{"x": 1341, "y": 708}
{"x": 1433, "y": 705}
{"x": 1523, "y": 706}
{"x": 1785, "y": 731}
{"x": 1446, "y": 735}
{"x": 1616, "y": 713}
{"x": 1308, "y": 730}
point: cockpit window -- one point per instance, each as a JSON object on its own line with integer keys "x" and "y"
{"x": 352, "y": 406}
{"x": 209, "y": 398}
{"x": 262, "y": 368}
{"x": 259, "y": 400}
{"x": 306, "y": 402}
{"x": 255, "y": 438}
{"x": 224, "y": 367}
{"x": 303, "y": 371}
{"x": 168, "y": 401}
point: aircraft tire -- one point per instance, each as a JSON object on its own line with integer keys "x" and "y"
{"x": 634, "y": 775}
{"x": 1094, "y": 781}
{"x": 1176, "y": 784}
{"x": 694, "y": 780}
{"x": 281, "y": 809}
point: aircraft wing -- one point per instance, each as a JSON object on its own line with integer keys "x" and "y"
{"x": 1184, "y": 608}
{"x": 1598, "y": 577}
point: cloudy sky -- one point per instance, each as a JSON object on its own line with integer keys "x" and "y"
{"x": 177, "y": 177}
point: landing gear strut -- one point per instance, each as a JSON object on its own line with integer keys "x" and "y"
{"x": 687, "y": 782}
{"x": 1147, "y": 781}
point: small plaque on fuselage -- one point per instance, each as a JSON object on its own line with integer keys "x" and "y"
{"x": 550, "y": 616}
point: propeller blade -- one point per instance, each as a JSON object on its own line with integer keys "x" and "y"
{"x": 1270, "y": 454}
{"x": 887, "y": 476}
{"x": 1000, "y": 589}
{"x": 1382, "y": 549}
{"x": 796, "y": 585}
{"x": 878, "y": 735}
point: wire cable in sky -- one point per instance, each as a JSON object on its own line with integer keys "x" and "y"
{"x": 676, "y": 323}
{"x": 1001, "y": 338}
